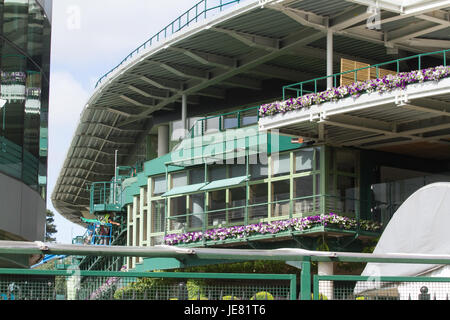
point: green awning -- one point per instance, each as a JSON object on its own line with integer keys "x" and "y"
{"x": 221, "y": 184}
{"x": 184, "y": 190}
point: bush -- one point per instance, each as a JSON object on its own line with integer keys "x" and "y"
{"x": 262, "y": 295}
{"x": 230, "y": 298}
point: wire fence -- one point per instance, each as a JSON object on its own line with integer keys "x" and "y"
{"x": 81, "y": 285}
{"x": 381, "y": 288}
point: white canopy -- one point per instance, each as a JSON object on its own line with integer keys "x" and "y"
{"x": 420, "y": 226}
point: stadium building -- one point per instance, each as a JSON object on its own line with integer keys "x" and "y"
{"x": 25, "y": 71}
{"x": 265, "y": 124}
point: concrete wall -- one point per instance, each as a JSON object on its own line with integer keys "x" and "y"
{"x": 22, "y": 211}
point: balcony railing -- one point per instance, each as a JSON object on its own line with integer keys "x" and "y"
{"x": 106, "y": 196}
{"x": 222, "y": 122}
{"x": 200, "y": 11}
{"x": 317, "y": 210}
{"x": 318, "y": 84}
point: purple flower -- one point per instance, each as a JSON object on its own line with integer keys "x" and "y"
{"x": 385, "y": 84}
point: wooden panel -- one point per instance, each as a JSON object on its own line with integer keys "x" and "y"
{"x": 362, "y": 75}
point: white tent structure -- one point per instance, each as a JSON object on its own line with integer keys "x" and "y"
{"x": 420, "y": 226}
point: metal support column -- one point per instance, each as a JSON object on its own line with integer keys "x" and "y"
{"x": 184, "y": 114}
{"x": 330, "y": 58}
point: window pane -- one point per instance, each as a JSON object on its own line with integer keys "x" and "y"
{"x": 304, "y": 160}
{"x": 280, "y": 195}
{"x": 218, "y": 173}
{"x": 196, "y": 176}
{"x": 281, "y": 164}
{"x": 158, "y": 216}
{"x": 259, "y": 171}
{"x": 217, "y": 201}
{"x": 238, "y": 199}
{"x": 347, "y": 194}
{"x": 345, "y": 161}
{"x": 159, "y": 185}
{"x": 237, "y": 170}
{"x": 303, "y": 189}
{"x": 179, "y": 179}
{"x": 258, "y": 195}
{"x": 197, "y": 210}
{"x": 178, "y": 210}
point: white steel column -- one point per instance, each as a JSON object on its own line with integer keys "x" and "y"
{"x": 163, "y": 140}
{"x": 329, "y": 58}
{"x": 326, "y": 288}
{"x": 184, "y": 114}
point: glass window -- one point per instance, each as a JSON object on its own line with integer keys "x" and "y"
{"x": 347, "y": 194}
{"x": 196, "y": 176}
{"x": 345, "y": 161}
{"x": 238, "y": 198}
{"x": 178, "y": 210}
{"x": 179, "y": 179}
{"x": 259, "y": 171}
{"x": 158, "y": 216}
{"x": 280, "y": 197}
{"x": 230, "y": 121}
{"x": 212, "y": 125}
{"x": 304, "y": 160}
{"x": 159, "y": 185}
{"x": 281, "y": 164}
{"x": 304, "y": 189}
{"x": 217, "y": 202}
{"x": 197, "y": 208}
{"x": 258, "y": 200}
{"x": 237, "y": 170}
{"x": 217, "y": 173}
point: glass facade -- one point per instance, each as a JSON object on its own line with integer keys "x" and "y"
{"x": 25, "y": 71}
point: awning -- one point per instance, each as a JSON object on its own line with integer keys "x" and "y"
{"x": 220, "y": 184}
{"x": 184, "y": 189}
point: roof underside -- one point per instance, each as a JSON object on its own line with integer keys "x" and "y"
{"x": 240, "y": 57}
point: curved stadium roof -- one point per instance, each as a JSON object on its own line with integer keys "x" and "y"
{"x": 231, "y": 56}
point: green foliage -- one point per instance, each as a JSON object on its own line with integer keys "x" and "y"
{"x": 230, "y": 298}
{"x": 146, "y": 287}
{"x": 321, "y": 296}
{"x": 262, "y": 295}
{"x": 50, "y": 227}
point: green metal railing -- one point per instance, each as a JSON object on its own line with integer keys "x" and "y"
{"x": 225, "y": 121}
{"x": 17, "y": 284}
{"x": 106, "y": 196}
{"x": 300, "y": 207}
{"x": 200, "y": 11}
{"x": 316, "y": 85}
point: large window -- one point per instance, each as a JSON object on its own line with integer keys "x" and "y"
{"x": 178, "y": 213}
{"x": 238, "y": 198}
{"x": 197, "y": 208}
{"x": 158, "y": 216}
{"x": 281, "y": 164}
{"x": 159, "y": 185}
{"x": 258, "y": 201}
{"x": 281, "y": 198}
{"x": 305, "y": 202}
{"x": 217, "y": 204}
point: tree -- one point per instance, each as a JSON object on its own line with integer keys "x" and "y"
{"x": 50, "y": 227}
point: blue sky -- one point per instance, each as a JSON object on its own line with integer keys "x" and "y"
{"x": 88, "y": 39}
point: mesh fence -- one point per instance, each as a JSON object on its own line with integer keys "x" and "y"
{"x": 410, "y": 288}
{"x": 77, "y": 286}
